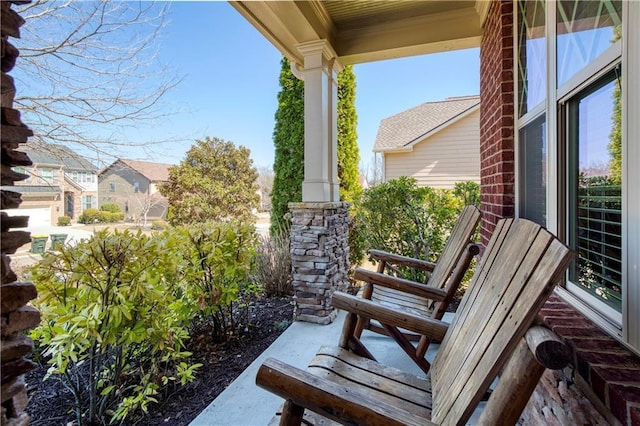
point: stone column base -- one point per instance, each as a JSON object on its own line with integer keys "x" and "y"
{"x": 319, "y": 258}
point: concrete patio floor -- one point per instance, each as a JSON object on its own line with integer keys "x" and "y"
{"x": 245, "y": 404}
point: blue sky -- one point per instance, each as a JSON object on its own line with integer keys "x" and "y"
{"x": 231, "y": 75}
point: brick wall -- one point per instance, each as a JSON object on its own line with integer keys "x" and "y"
{"x": 496, "y": 117}
{"x": 604, "y": 368}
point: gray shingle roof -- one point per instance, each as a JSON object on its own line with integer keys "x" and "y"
{"x": 155, "y": 172}
{"x": 56, "y": 155}
{"x": 404, "y": 128}
{"x": 25, "y": 189}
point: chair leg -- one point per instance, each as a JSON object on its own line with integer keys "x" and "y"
{"x": 406, "y": 346}
{"x": 292, "y": 414}
{"x": 363, "y": 323}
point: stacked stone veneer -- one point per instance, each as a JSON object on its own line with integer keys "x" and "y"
{"x": 319, "y": 257}
{"x": 15, "y": 314}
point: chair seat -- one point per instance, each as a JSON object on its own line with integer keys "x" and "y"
{"x": 386, "y": 385}
{"x": 407, "y": 302}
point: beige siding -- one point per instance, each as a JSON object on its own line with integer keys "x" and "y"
{"x": 449, "y": 156}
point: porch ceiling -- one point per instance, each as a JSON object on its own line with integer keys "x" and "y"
{"x": 364, "y": 31}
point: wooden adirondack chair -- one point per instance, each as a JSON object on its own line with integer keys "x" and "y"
{"x": 428, "y": 299}
{"x": 517, "y": 273}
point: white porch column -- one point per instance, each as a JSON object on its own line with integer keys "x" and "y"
{"x": 320, "y": 75}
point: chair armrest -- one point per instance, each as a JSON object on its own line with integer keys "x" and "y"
{"x": 396, "y": 259}
{"x": 425, "y": 326}
{"x": 346, "y": 405}
{"x": 401, "y": 284}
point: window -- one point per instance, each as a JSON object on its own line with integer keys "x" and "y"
{"x": 88, "y": 201}
{"x": 533, "y": 182}
{"x": 46, "y": 175}
{"x": 585, "y": 30}
{"x": 136, "y": 187}
{"x": 532, "y": 63}
{"x": 25, "y": 172}
{"x": 578, "y": 162}
{"x": 594, "y": 179}
{"x": 112, "y": 187}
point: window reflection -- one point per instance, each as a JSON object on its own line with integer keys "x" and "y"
{"x": 596, "y": 196}
{"x": 532, "y": 61}
{"x": 585, "y": 29}
{"x": 533, "y": 160}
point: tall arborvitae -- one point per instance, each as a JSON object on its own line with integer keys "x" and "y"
{"x": 288, "y": 138}
{"x": 348, "y": 151}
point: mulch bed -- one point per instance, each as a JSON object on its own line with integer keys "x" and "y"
{"x": 50, "y": 402}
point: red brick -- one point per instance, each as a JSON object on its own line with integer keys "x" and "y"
{"x": 586, "y": 359}
{"x": 634, "y": 415}
{"x": 592, "y": 343}
{"x": 619, "y": 397}
{"x": 571, "y": 322}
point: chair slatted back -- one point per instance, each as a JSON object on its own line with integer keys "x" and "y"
{"x": 460, "y": 236}
{"x": 518, "y": 271}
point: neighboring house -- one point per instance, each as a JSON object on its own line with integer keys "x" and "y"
{"x": 60, "y": 183}
{"x": 133, "y": 185}
{"x": 438, "y": 143}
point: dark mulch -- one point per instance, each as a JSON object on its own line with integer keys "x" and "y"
{"x": 50, "y": 402}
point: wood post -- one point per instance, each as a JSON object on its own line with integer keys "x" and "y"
{"x": 522, "y": 372}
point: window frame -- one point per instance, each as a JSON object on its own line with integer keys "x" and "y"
{"x": 626, "y": 327}
{"x": 611, "y": 317}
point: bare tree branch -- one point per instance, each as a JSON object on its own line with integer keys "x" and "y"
{"x": 90, "y": 69}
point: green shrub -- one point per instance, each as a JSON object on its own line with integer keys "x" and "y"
{"x": 110, "y": 207}
{"x": 219, "y": 258}
{"x": 468, "y": 192}
{"x": 159, "y": 225}
{"x": 64, "y": 221}
{"x": 110, "y": 217}
{"x": 89, "y": 216}
{"x": 112, "y": 322}
{"x": 400, "y": 217}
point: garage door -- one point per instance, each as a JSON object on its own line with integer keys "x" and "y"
{"x": 40, "y": 216}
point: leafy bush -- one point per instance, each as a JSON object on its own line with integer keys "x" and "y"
{"x": 89, "y": 216}
{"x": 100, "y": 216}
{"x": 273, "y": 264}
{"x": 110, "y": 207}
{"x": 64, "y": 221}
{"x": 219, "y": 257}
{"x": 110, "y": 217}
{"x": 400, "y": 217}
{"x": 159, "y": 225}
{"x": 468, "y": 192}
{"x": 112, "y": 322}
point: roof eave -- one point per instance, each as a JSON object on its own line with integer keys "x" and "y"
{"x": 443, "y": 126}
{"x": 289, "y": 24}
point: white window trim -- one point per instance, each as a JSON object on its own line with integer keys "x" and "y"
{"x": 631, "y": 173}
